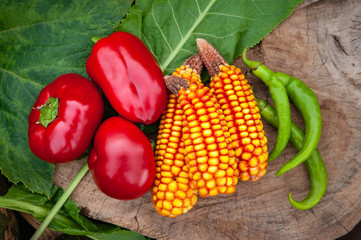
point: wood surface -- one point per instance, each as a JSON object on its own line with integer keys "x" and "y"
{"x": 319, "y": 43}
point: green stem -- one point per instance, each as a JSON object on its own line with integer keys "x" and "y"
{"x": 52, "y": 213}
{"x": 95, "y": 39}
{"x": 259, "y": 70}
{"x": 32, "y": 209}
{"x": 49, "y": 111}
{"x": 251, "y": 64}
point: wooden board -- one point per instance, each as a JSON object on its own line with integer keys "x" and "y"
{"x": 319, "y": 43}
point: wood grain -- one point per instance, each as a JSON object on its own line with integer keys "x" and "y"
{"x": 319, "y": 43}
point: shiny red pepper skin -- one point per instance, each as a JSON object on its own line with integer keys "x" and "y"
{"x": 80, "y": 111}
{"x": 121, "y": 160}
{"x": 129, "y": 75}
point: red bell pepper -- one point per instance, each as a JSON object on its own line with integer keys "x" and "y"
{"x": 128, "y": 74}
{"x": 121, "y": 160}
{"x": 64, "y": 118}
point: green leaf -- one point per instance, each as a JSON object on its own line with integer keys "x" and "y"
{"x": 119, "y": 235}
{"x": 39, "y": 41}
{"x": 68, "y": 220}
{"x": 170, "y": 28}
{"x": 266, "y": 15}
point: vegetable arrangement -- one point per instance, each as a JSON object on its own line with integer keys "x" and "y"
{"x": 208, "y": 136}
{"x": 247, "y": 155}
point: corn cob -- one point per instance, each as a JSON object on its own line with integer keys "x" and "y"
{"x": 241, "y": 112}
{"x": 190, "y": 69}
{"x": 209, "y": 156}
{"x": 172, "y": 193}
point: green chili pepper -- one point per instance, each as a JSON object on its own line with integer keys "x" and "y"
{"x": 307, "y": 104}
{"x": 315, "y": 165}
{"x": 280, "y": 99}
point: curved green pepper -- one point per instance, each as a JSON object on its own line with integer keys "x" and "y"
{"x": 307, "y": 104}
{"x": 315, "y": 165}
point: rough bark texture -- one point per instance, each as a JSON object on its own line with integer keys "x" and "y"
{"x": 319, "y": 43}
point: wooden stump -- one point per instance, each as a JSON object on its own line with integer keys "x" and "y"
{"x": 321, "y": 44}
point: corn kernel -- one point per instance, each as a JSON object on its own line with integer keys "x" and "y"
{"x": 202, "y": 167}
{"x": 180, "y": 194}
{"x": 212, "y": 169}
{"x": 211, "y": 183}
{"x": 243, "y": 166}
{"x": 212, "y": 147}
{"x": 213, "y": 161}
{"x": 257, "y": 151}
{"x": 202, "y": 159}
{"x": 223, "y": 165}
{"x": 169, "y": 196}
{"x": 210, "y": 140}
{"x": 207, "y": 133}
{"x": 220, "y": 173}
{"x": 221, "y": 181}
{"x": 253, "y": 170}
{"x": 159, "y": 204}
{"x": 224, "y": 159}
{"x": 196, "y": 176}
{"x": 195, "y": 129}
{"x": 207, "y": 176}
{"x": 248, "y": 148}
{"x": 213, "y": 191}
{"x": 203, "y": 191}
{"x": 199, "y": 147}
{"x": 206, "y": 125}
{"x": 204, "y": 118}
{"x": 230, "y": 190}
{"x": 166, "y": 180}
{"x": 160, "y": 194}
{"x": 177, "y": 203}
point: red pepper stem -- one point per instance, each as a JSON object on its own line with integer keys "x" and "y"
{"x": 48, "y": 111}
{"x": 52, "y": 213}
{"x": 95, "y": 39}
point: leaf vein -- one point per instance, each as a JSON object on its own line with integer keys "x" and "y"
{"x": 230, "y": 15}
{"x": 259, "y": 10}
{"x": 215, "y": 36}
{"x": 161, "y": 31}
{"x": 175, "y": 20}
{"x": 150, "y": 47}
{"x": 199, "y": 10}
{"x": 181, "y": 43}
{"x": 21, "y": 78}
{"x": 44, "y": 22}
